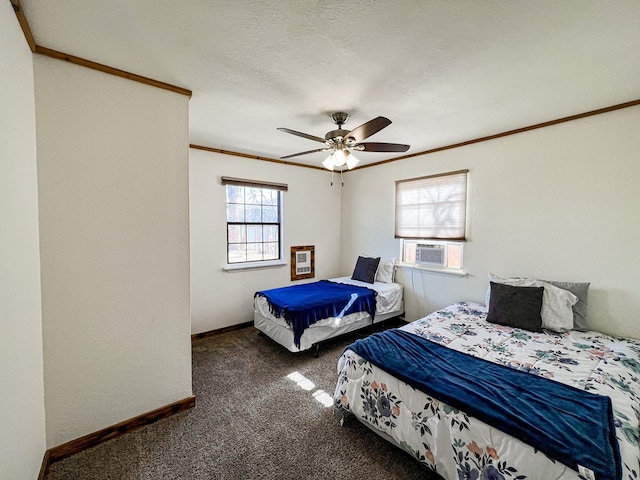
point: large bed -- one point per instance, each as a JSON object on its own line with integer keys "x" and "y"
{"x": 444, "y": 436}
{"x": 388, "y": 304}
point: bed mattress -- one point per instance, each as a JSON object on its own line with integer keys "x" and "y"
{"x": 457, "y": 445}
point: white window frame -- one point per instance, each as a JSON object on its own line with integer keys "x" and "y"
{"x": 280, "y": 189}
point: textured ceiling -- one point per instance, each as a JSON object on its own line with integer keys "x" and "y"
{"x": 442, "y": 71}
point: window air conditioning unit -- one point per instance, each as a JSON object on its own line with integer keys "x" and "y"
{"x": 431, "y": 255}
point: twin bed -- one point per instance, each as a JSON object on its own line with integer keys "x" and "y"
{"x": 512, "y": 390}
{"x": 303, "y": 316}
{"x": 275, "y": 324}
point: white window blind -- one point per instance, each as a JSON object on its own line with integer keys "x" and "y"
{"x": 433, "y": 207}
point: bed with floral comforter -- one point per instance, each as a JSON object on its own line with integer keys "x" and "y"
{"x": 459, "y": 446}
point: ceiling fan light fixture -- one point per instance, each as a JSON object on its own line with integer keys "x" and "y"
{"x": 339, "y": 158}
{"x": 351, "y": 160}
{"x": 328, "y": 163}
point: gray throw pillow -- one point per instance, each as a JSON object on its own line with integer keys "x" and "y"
{"x": 580, "y": 290}
{"x": 517, "y": 307}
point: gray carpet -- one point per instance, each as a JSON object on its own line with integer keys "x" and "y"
{"x": 250, "y": 421}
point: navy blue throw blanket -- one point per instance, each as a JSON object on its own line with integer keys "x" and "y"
{"x": 303, "y": 305}
{"x": 569, "y": 425}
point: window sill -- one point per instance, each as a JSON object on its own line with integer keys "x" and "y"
{"x": 253, "y": 265}
{"x": 451, "y": 272}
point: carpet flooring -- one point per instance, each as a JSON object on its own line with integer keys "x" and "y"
{"x": 252, "y": 420}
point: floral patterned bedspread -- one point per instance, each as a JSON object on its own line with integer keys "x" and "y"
{"x": 459, "y": 446}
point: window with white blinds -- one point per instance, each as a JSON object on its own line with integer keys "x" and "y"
{"x": 433, "y": 207}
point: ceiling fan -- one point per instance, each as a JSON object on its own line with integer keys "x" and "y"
{"x": 342, "y": 142}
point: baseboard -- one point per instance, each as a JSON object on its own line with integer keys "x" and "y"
{"x": 96, "y": 438}
{"x": 212, "y": 333}
{"x": 44, "y": 468}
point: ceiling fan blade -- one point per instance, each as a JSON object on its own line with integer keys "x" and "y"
{"x": 303, "y": 135}
{"x": 367, "y": 129}
{"x": 382, "y": 147}
{"x": 304, "y": 153}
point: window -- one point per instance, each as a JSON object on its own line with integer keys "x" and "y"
{"x": 431, "y": 219}
{"x": 432, "y": 207}
{"x": 254, "y": 220}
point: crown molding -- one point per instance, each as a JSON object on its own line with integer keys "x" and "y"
{"x": 570, "y": 118}
{"x": 83, "y": 62}
{"x": 22, "y": 19}
{"x": 253, "y": 157}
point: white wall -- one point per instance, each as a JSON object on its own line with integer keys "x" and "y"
{"x": 22, "y": 431}
{"x": 311, "y": 217}
{"x": 114, "y": 232}
{"x": 560, "y": 203}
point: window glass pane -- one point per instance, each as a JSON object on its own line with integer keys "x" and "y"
{"x": 270, "y": 233}
{"x": 237, "y": 233}
{"x": 409, "y": 252}
{"x": 235, "y": 194}
{"x": 254, "y": 252}
{"x": 254, "y": 233}
{"x": 271, "y": 251}
{"x": 253, "y": 196}
{"x": 454, "y": 255}
{"x": 270, "y": 214}
{"x": 253, "y": 213}
{"x": 270, "y": 197}
{"x": 235, "y": 212}
{"x": 237, "y": 253}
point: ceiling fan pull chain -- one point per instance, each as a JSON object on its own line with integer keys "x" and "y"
{"x": 332, "y": 178}
{"x": 341, "y": 177}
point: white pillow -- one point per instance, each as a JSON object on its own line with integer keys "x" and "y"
{"x": 386, "y": 269}
{"x": 557, "y": 303}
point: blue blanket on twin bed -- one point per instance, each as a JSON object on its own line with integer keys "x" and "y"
{"x": 567, "y": 424}
{"x": 303, "y": 305}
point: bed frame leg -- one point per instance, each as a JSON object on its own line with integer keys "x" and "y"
{"x": 344, "y": 416}
{"x": 317, "y": 354}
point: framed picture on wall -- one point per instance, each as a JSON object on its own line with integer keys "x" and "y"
{"x": 303, "y": 262}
